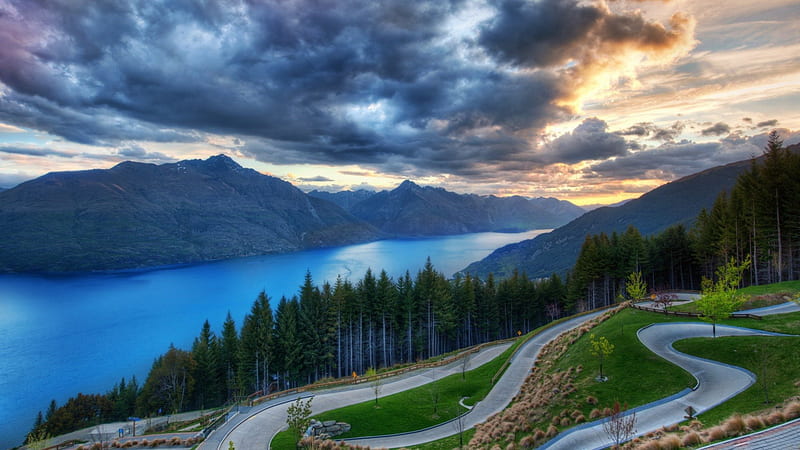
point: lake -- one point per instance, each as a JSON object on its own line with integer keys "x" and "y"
{"x": 65, "y": 334}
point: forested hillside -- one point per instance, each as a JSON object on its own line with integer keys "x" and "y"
{"x": 674, "y": 203}
{"x": 759, "y": 220}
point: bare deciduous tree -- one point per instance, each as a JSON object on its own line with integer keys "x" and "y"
{"x": 620, "y": 426}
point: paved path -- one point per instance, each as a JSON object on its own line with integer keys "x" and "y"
{"x": 783, "y": 308}
{"x": 716, "y": 383}
{"x": 498, "y": 398}
{"x": 784, "y": 436}
{"x": 255, "y": 428}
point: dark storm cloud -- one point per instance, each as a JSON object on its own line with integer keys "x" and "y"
{"x": 588, "y": 141}
{"x": 339, "y": 82}
{"x": 717, "y": 129}
{"x": 677, "y": 159}
{"x": 768, "y": 123}
{"x": 138, "y": 153}
{"x": 651, "y": 130}
{"x": 12, "y": 150}
{"x": 316, "y": 179}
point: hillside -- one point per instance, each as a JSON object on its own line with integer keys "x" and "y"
{"x": 138, "y": 215}
{"x": 412, "y": 210}
{"x": 677, "y": 202}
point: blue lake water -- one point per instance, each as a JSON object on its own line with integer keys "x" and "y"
{"x": 61, "y": 335}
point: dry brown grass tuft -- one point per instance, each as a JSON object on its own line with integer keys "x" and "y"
{"x": 527, "y": 442}
{"x": 691, "y": 438}
{"x": 774, "y": 418}
{"x": 565, "y": 422}
{"x": 592, "y": 400}
{"x": 716, "y": 434}
{"x": 595, "y": 414}
{"x": 551, "y": 431}
{"x": 734, "y": 425}
{"x": 670, "y": 442}
{"x": 792, "y": 410}
{"x": 754, "y": 422}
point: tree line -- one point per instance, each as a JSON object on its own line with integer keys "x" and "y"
{"x": 757, "y": 223}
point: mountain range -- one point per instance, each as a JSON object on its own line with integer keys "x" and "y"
{"x": 141, "y": 215}
{"x": 412, "y": 210}
{"x": 677, "y": 202}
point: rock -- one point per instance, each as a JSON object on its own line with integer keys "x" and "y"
{"x": 329, "y": 423}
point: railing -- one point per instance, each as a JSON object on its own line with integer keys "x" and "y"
{"x": 691, "y": 314}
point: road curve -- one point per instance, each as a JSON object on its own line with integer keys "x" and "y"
{"x": 498, "y": 398}
{"x": 258, "y": 429}
{"x": 716, "y": 383}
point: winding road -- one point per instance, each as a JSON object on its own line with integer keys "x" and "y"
{"x": 255, "y": 429}
{"x": 716, "y": 383}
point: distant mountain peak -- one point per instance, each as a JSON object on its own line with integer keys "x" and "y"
{"x": 222, "y": 161}
{"x": 408, "y": 184}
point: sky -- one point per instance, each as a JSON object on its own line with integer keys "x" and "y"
{"x": 591, "y": 101}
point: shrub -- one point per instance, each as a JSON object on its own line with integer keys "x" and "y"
{"x": 565, "y": 422}
{"x": 551, "y": 431}
{"x": 595, "y": 414}
{"x": 592, "y": 400}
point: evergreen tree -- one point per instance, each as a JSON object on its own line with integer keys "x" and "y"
{"x": 229, "y": 357}
{"x": 205, "y": 352}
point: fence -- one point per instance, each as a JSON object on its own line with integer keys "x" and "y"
{"x": 690, "y": 314}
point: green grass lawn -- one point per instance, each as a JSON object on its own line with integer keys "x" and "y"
{"x": 772, "y": 359}
{"x": 412, "y": 409}
{"x": 635, "y": 375}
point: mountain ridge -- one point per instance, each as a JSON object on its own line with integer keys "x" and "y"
{"x": 413, "y": 210}
{"x": 677, "y": 202}
{"x": 141, "y": 215}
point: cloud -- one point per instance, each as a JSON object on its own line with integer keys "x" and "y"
{"x": 588, "y": 141}
{"x": 717, "y": 129}
{"x": 316, "y": 179}
{"x": 651, "y": 130}
{"x": 767, "y": 123}
{"x": 138, "y": 153}
{"x": 31, "y": 151}
{"x": 677, "y": 159}
{"x": 406, "y": 87}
